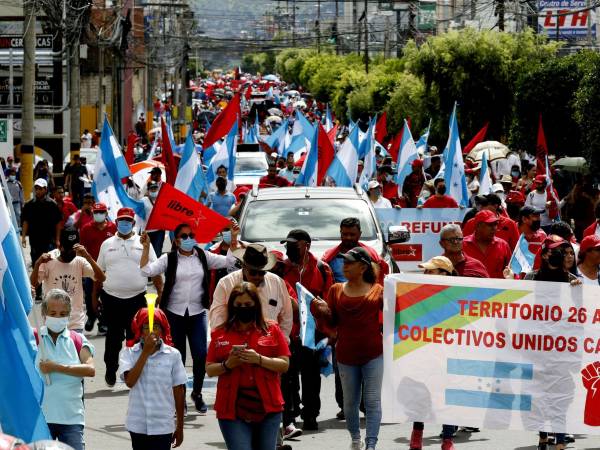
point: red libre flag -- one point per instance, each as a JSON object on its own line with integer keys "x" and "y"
{"x": 326, "y": 154}
{"x": 479, "y": 137}
{"x": 541, "y": 149}
{"x": 381, "y": 128}
{"x": 223, "y": 122}
{"x": 132, "y": 138}
{"x": 173, "y": 207}
{"x": 167, "y": 153}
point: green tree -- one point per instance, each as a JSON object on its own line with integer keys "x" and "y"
{"x": 587, "y": 112}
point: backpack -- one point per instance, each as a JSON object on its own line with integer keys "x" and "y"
{"x": 75, "y": 337}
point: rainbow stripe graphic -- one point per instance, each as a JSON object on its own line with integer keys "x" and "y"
{"x": 431, "y": 305}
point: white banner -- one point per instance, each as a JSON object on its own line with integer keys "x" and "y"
{"x": 497, "y": 354}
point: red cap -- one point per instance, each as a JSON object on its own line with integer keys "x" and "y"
{"x": 589, "y": 242}
{"x": 278, "y": 255}
{"x": 486, "y": 216}
{"x": 515, "y": 197}
{"x": 553, "y": 241}
{"x": 540, "y": 179}
{"x": 99, "y": 207}
{"x": 417, "y": 163}
{"x": 126, "y": 213}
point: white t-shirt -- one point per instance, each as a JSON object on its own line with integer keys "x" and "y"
{"x": 382, "y": 202}
{"x": 86, "y": 140}
{"x": 538, "y": 201}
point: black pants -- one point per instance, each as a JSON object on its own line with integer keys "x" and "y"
{"x": 310, "y": 375}
{"x": 150, "y": 442}
{"x": 195, "y": 329}
{"x": 290, "y": 386}
{"x": 118, "y": 315}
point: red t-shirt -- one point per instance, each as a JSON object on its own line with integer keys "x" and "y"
{"x": 92, "y": 238}
{"x": 472, "y": 268}
{"x": 85, "y": 219}
{"x": 67, "y": 209}
{"x": 507, "y": 230}
{"x": 358, "y": 325}
{"x": 495, "y": 257}
{"x": 278, "y": 181}
{"x": 445, "y": 201}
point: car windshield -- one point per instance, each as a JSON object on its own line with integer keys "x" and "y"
{"x": 258, "y": 164}
{"x": 320, "y": 217}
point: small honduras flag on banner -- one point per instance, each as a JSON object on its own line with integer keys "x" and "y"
{"x": 307, "y": 321}
{"x": 522, "y": 258}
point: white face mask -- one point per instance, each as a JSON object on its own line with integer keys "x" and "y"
{"x": 57, "y": 324}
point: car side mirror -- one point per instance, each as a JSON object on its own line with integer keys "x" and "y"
{"x": 397, "y": 234}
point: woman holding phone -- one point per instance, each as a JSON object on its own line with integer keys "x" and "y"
{"x": 248, "y": 354}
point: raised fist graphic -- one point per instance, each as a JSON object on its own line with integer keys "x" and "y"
{"x": 590, "y": 376}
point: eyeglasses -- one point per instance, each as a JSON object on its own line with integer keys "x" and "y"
{"x": 187, "y": 235}
{"x": 454, "y": 240}
{"x": 256, "y": 273}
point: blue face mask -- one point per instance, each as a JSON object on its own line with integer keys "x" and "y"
{"x": 124, "y": 227}
{"x": 187, "y": 244}
{"x": 57, "y": 324}
{"x": 226, "y": 237}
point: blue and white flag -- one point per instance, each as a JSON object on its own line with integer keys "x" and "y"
{"x": 307, "y": 321}
{"x": 206, "y": 124}
{"x": 308, "y": 173}
{"x": 302, "y": 133}
{"x": 168, "y": 121}
{"x": 344, "y": 167}
{"x": 328, "y": 119}
{"x": 522, "y": 259}
{"x": 251, "y": 132}
{"x": 370, "y": 159}
{"x": 277, "y": 138}
{"x": 190, "y": 176}
{"x": 225, "y": 156}
{"x": 485, "y": 181}
{"x": 406, "y": 155}
{"x": 110, "y": 168}
{"x": 21, "y": 386}
{"x": 421, "y": 144}
{"x": 454, "y": 167}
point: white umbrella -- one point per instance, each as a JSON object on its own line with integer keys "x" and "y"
{"x": 572, "y": 164}
{"x": 271, "y": 78}
{"x": 275, "y": 112}
{"x": 494, "y": 149}
{"x": 272, "y": 119}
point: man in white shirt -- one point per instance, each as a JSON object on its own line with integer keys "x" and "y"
{"x": 538, "y": 199}
{"x": 274, "y": 297}
{"x": 185, "y": 298}
{"x": 222, "y": 172}
{"x": 86, "y": 139}
{"x": 288, "y": 172}
{"x": 378, "y": 200}
{"x": 123, "y": 292}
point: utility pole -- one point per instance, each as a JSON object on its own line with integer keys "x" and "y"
{"x": 75, "y": 99}
{"x": 336, "y": 29}
{"x": 500, "y": 15}
{"x": 28, "y": 118}
{"x": 366, "y": 37}
{"x": 294, "y": 23}
{"x": 318, "y": 26}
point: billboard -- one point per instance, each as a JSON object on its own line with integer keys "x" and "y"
{"x": 567, "y": 17}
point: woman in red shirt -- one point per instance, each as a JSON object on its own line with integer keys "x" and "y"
{"x": 248, "y": 355}
{"x": 355, "y": 307}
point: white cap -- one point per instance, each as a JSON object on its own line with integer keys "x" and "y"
{"x": 497, "y": 187}
{"x": 41, "y": 183}
{"x": 274, "y": 155}
{"x": 373, "y": 184}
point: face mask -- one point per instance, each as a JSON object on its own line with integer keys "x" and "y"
{"x": 441, "y": 190}
{"x": 67, "y": 255}
{"x": 535, "y": 225}
{"x": 501, "y": 195}
{"x": 556, "y": 259}
{"x": 388, "y": 177}
{"x": 244, "y": 315}
{"x": 124, "y": 227}
{"x": 425, "y": 194}
{"x": 57, "y": 324}
{"x": 99, "y": 217}
{"x": 515, "y": 174}
{"x": 187, "y": 244}
{"x": 12, "y": 178}
{"x": 153, "y": 194}
{"x": 227, "y": 237}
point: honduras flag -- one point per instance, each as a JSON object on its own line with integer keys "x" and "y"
{"x": 406, "y": 155}
{"x": 370, "y": 165}
{"x": 190, "y": 177}
{"x": 21, "y": 386}
{"x": 422, "y": 142}
{"x": 206, "y": 124}
{"x": 328, "y": 120}
{"x": 454, "y": 168}
{"x": 485, "y": 182}
{"x": 302, "y": 133}
{"x": 225, "y": 155}
{"x": 110, "y": 168}
{"x": 344, "y": 167}
{"x": 307, "y": 321}
{"x": 522, "y": 259}
{"x": 308, "y": 173}
{"x": 276, "y": 139}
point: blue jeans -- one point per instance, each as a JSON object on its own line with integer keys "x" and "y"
{"x": 370, "y": 376}
{"x": 68, "y": 434}
{"x": 240, "y": 435}
{"x": 194, "y": 328}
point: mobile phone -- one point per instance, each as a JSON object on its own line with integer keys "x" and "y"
{"x": 239, "y": 348}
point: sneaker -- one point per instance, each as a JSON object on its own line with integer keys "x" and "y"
{"x": 291, "y": 432}
{"x": 469, "y": 429}
{"x": 199, "y": 403}
{"x": 340, "y": 415}
{"x": 111, "y": 379}
{"x": 569, "y": 438}
{"x": 447, "y": 444}
{"x": 416, "y": 440}
{"x": 453, "y": 434}
{"x": 284, "y": 447}
{"x": 102, "y": 330}
{"x": 356, "y": 444}
{"x": 310, "y": 424}
{"x": 89, "y": 324}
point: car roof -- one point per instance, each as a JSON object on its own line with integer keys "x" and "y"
{"x": 251, "y": 155}
{"x": 285, "y": 193}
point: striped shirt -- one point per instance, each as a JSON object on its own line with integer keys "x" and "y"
{"x": 151, "y": 408}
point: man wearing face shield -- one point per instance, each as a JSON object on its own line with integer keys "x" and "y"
{"x": 67, "y": 272}
{"x": 301, "y": 266}
{"x": 93, "y": 234}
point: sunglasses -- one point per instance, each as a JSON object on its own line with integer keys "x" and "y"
{"x": 256, "y": 273}
{"x": 454, "y": 240}
{"x": 187, "y": 235}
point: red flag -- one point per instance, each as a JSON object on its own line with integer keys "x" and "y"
{"x": 479, "y": 137}
{"x": 173, "y": 207}
{"x": 331, "y": 134}
{"x": 326, "y": 154}
{"x": 223, "y": 122}
{"x": 248, "y": 94}
{"x": 541, "y": 149}
{"x": 395, "y": 145}
{"x": 167, "y": 153}
{"x": 381, "y": 128}
{"x": 132, "y": 138}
